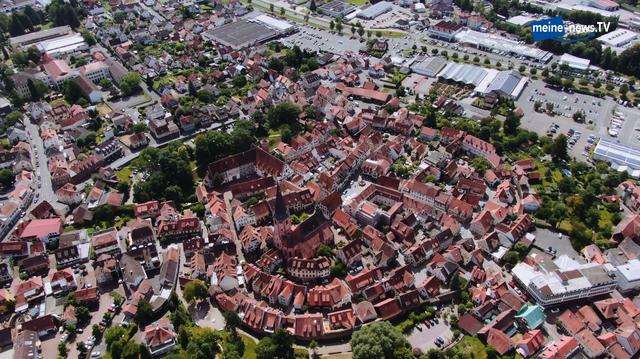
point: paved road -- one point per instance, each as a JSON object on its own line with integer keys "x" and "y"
{"x": 45, "y": 192}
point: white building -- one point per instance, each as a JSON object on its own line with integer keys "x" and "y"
{"x": 66, "y": 45}
{"x": 619, "y": 39}
{"x": 375, "y": 10}
{"x": 498, "y": 44}
{"x": 627, "y": 275}
{"x": 619, "y": 156}
{"x": 551, "y": 283}
{"x": 574, "y": 62}
{"x": 95, "y": 71}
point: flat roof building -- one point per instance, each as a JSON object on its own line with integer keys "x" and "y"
{"x": 430, "y": 66}
{"x": 621, "y": 157}
{"x": 627, "y": 275}
{"x": 276, "y": 24}
{"x": 521, "y": 20}
{"x": 375, "y": 10}
{"x": 563, "y": 280}
{"x": 337, "y": 8}
{"x": 241, "y": 34}
{"x": 34, "y": 37}
{"x": 62, "y": 45}
{"x": 574, "y": 62}
{"x": 619, "y": 39}
{"x": 495, "y": 43}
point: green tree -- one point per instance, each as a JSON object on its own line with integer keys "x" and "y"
{"x": 144, "y": 314}
{"x": 195, "y": 290}
{"x": 204, "y": 343}
{"x": 481, "y": 165}
{"x": 511, "y": 124}
{"x": 511, "y": 258}
{"x": 279, "y": 345}
{"x": 62, "y": 349}
{"x": 37, "y": 89}
{"x": 284, "y": 113}
{"x": 88, "y": 37}
{"x": 72, "y": 91}
{"x": 140, "y": 127}
{"x": 114, "y": 334}
{"x": 6, "y": 177}
{"x": 130, "y": 83}
{"x": 558, "y": 150}
{"x": 231, "y": 321}
{"x": 63, "y": 13}
{"x": 379, "y": 340}
{"x": 95, "y": 331}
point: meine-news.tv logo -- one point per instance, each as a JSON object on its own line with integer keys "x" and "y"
{"x": 554, "y": 28}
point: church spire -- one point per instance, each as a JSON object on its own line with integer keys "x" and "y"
{"x": 281, "y": 212}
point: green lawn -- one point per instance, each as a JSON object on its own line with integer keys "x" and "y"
{"x": 249, "y": 347}
{"x": 472, "y": 346}
{"x": 301, "y": 353}
{"x": 124, "y": 174}
{"x": 274, "y": 138}
{"x": 565, "y": 226}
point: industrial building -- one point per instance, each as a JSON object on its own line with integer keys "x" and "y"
{"x": 521, "y": 20}
{"x": 337, "y": 8}
{"x": 485, "y": 81}
{"x": 275, "y": 24}
{"x": 619, "y": 39}
{"x": 429, "y": 66}
{"x": 574, "y": 62}
{"x": 621, "y": 157}
{"x": 241, "y": 34}
{"x": 375, "y": 10}
{"x": 24, "y": 41}
{"x": 497, "y": 44}
{"x": 65, "y": 45}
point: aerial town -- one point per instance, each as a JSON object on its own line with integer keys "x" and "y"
{"x": 287, "y": 179}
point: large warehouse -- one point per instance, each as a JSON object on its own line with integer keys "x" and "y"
{"x": 495, "y": 43}
{"x": 242, "y": 33}
{"x": 507, "y": 83}
{"x": 375, "y": 10}
{"x": 429, "y": 66}
{"x": 619, "y": 39}
{"x": 621, "y": 157}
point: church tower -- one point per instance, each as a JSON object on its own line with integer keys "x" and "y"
{"x": 281, "y": 220}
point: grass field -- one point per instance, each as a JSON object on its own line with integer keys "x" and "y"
{"x": 123, "y": 175}
{"x": 472, "y": 346}
{"x": 249, "y": 347}
{"x": 103, "y": 109}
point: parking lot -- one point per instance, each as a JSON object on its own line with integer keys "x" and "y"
{"x": 321, "y": 40}
{"x": 425, "y": 337}
{"x": 598, "y": 112}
